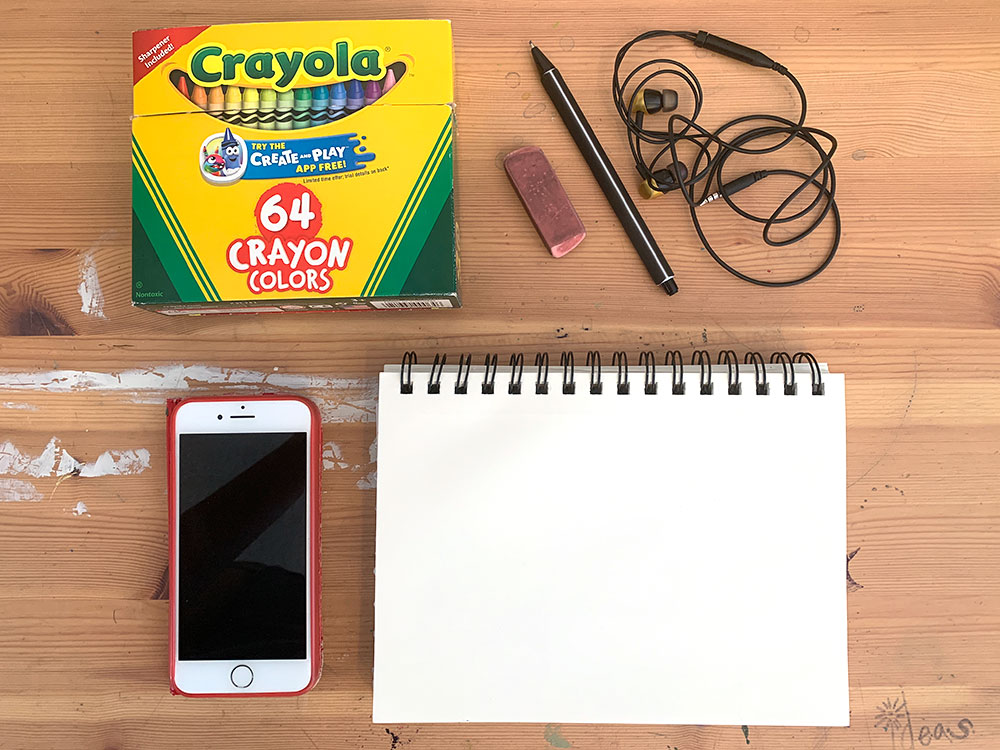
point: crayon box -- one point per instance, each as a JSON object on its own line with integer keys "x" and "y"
{"x": 293, "y": 166}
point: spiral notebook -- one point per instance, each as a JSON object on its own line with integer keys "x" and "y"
{"x": 655, "y": 543}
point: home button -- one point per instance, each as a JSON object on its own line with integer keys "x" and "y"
{"x": 242, "y": 676}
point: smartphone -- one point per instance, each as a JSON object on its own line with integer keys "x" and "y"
{"x": 244, "y": 503}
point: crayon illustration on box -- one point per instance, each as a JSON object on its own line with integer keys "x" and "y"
{"x": 293, "y": 166}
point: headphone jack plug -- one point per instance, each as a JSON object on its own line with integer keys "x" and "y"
{"x": 735, "y": 186}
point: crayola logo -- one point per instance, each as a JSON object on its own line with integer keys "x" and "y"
{"x": 282, "y": 69}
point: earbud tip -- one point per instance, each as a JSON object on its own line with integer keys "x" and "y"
{"x": 669, "y": 100}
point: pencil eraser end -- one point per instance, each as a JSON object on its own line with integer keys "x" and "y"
{"x": 545, "y": 200}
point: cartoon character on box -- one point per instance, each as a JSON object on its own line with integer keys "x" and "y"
{"x": 232, "y": 152}
{"x": 212, "y": 162}
{"x": 223, "y": 158}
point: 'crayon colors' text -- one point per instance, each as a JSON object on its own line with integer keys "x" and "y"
{"x": 288, "y": 265}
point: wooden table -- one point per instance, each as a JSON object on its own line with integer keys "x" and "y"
{"x": 909, "y": 310}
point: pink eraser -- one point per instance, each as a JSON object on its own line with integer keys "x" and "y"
{"x": 543, "y": 197}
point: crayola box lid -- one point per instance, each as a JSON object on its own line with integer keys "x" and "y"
{"x": 293, "y": 166}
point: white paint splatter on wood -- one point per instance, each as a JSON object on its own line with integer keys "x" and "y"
{"x": 338, "y": 399}
{"x": 18, "y": 491}
{"x": 117, "y": 463}
{"x": 333, "y": 457}
{"x": 370, "y": 480}
{"x": 91, "y": 296}
{"x": 14, "y": 462}
{"x": 18, "y": 406}
{"x": 67, "y": 464}
{"x": 80, "y": 509}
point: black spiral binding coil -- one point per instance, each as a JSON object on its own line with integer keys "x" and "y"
{"x": 729, "y": 359}
{"x": 814, "y": 371}
{"x": 786, "y": 370}
{"x": 647, "y": 361}
{"x": 434, "y": 382}
{"x": 594, "y": 363}
{"x": 462, "y": 379}
{"x": 675, "y": 362}
{"x": 489, "y": 373}
{"x": 516, "y": 371}
{"x": 704, "y": 361}
{"x": 759, "y": 375}
{"x": 406, "y": 372}
{"x": 620, "y": 360}
{"x": 542, "y": 373}
{"x": 569, "y": 369}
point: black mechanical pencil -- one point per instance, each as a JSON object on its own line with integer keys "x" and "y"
{"x": 604, "y": 172}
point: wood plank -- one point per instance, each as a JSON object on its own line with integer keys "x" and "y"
{"x": 117, "y": 650}
{"x": 883, "y": 269}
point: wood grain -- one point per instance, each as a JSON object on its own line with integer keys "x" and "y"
{"x": 910, "y": 311}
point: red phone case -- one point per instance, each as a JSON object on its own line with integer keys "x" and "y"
{"x": 315, "y": 499}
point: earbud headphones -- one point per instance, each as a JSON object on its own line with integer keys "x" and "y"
{"x": 663, "y": 181}
{"x": 651, "y": 101}
{"x": 664, "y": 172}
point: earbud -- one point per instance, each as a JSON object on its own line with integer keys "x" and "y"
{"x": 662, "y": 181}
{"x": 651, "y": 101}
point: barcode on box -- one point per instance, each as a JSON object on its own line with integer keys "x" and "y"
{"x": 408, "y": 303}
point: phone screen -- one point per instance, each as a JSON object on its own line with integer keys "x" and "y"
{"x": 242, "y": 546}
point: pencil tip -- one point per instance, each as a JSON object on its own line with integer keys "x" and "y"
{"x": 531, "y": 44}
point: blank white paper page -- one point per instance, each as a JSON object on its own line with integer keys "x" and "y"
{"x": 674, "y": 559}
